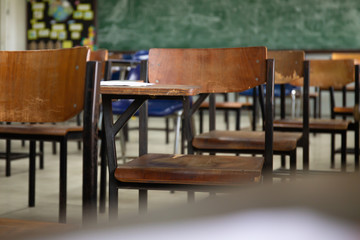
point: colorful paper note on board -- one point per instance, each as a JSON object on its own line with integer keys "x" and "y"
{"x": 61, "y": 23}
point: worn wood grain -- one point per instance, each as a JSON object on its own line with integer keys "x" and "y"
{"x": 152, "y": 90}
{"x": 38, "y": 86}
{"x": 214, "y": 70}
{"x": 330, "y": 73}
{"x": 191, "y": 169}
{"x": 289, "y": 65}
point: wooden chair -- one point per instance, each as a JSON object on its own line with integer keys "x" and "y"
{"x": 345, "y": 111}
{"x": 343, "y": 90}
{"x": 323, "y": 74}
{"x": 52, "y": 83}
{"x": 218, "y": 141}
{"x": 216, "y": 71}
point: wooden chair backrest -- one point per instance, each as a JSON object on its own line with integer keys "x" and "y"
{"x": 42, "y": 85}
{"x": 338, "y": 56}
{"x": 217, "y": 70}
{"x": 100, "y": 55}
{"x": 330, "y": 73}
{"x": 289, "y": 65}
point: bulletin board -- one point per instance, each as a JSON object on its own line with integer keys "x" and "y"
{"x": 61, "y": 24}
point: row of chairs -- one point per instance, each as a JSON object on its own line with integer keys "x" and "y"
{"x": 241, "y": 68}
{"x": 289, "y": 67}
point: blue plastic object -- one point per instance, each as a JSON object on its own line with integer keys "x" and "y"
{"x": 277, "y": 90}
{"x": 156, "y": 107}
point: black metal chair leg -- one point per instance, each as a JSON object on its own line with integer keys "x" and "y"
{"x": 143, "y": 201}
{"x": 182, "y": 137}
{"x": 315, "y": 107}
{"x": 238, "y": 119}
{"x": 41, "y": 154}
{"x": 103, "y": 169}
{"x": 113, "y": 200}
{"x": 332, "y": 151}
{"x": 8, "y": 160}
{"x": 32, "y": 173}
{"x": 343, "y": 151}
{"x": 63, "y": 179}
{"x": 357, "y": 146}
{"x": 54, "y": 150}
{"x": 201, "y": 119}
{"x": 283, "y": 161}
{"x": 167, "y": 130}
{"x": 293, "y": 162}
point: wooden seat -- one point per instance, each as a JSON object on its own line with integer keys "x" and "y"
{"x": 229, "y": 105}
{"x": 40, "y": 129}
{"x": 289, "y": 66}
{"x": 239, "y": 141}
{"x": 215, "y": 71}
{"x": 315, "y": 125}
{"x": 21, "y": 229}
{"x": 344, "y": 110}
{"x": 52, "y": 83}
{"x": 325, "y": 74}
{"x": 191, "y": 169}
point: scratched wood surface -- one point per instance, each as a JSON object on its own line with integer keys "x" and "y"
{"x": 289, "y": 65}
{"x": 152, "y": 90}
{"x": 42, "y": 85}
{"x": 191, "y": 169}
{"x": 214, "y": 70}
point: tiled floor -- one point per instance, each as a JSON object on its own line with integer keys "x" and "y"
{"x": 14, "y": 189}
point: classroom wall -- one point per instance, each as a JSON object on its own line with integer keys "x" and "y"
{"x": 12, "y": 25}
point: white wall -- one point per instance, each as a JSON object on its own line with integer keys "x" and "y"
{"x": 12, "y": 25}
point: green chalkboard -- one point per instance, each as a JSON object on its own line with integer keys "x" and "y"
{"x": 278, "y": 24}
